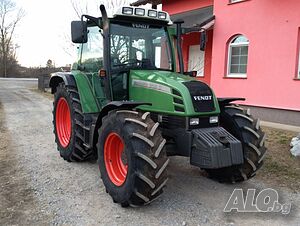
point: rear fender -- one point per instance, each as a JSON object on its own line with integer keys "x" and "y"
{"x": 59, "y": 77}
{"x": 88, "y": 100}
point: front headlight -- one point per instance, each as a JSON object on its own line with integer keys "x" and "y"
{"x": 162, "y": 15}
{"x": 194, "y": 121}
{"x": 152, "y": 13}
{"x": 213, "y": 119}
{"x": 139, "y": 12}
{"x": 127, "y": 11}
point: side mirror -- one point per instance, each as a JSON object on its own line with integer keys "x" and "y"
{"x": 203, "y": 39}
{"x": 79, "y": 31}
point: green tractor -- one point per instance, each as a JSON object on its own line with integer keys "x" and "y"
{"x": 124, "y": 104}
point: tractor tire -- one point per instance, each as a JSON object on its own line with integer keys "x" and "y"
{"x": 132, "y": 159}
{"x": 68, "y": 124}
{"x": 240, "y": 124}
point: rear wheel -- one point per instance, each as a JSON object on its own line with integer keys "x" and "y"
{"x": 63, "y": 122}
{"x": 68, "y": 124}
{"x": 239, "y": 123}
{"x": 132, "y": 159}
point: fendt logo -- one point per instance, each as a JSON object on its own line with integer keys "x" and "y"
{"x": 202, "y": 97}
{"x": 143, "y": 26}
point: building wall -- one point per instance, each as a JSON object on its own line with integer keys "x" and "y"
{"x": 275, "y": 115}
{"x": 179, "y": 6}
{"x": 272, "y": 28}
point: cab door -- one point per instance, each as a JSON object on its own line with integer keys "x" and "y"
{"x": 91, "y": 61}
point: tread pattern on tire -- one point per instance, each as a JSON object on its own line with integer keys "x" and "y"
{"x": 77, "y": 151}
{"x": 151, "y": 161}
{"x": 242, "y": 125}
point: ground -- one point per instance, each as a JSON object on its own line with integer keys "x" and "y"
{"x": 38, "y": 187}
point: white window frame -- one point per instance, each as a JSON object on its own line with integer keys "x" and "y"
{"x": 201, "y": 64}
{"x": 235, "y": 1}
{"x": 230, "y": 45}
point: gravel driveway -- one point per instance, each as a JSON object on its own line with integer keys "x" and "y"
{"x": 38, "y": 187}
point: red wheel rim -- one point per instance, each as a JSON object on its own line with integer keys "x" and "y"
{"x": 113, "y": 153}
{"x": 63, "y": 122}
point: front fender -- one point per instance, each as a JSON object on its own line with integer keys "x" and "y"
{"x": 121, "y": 105}
{"x": 114, "y": 105}
{"x": 128, "y": 105}
{"x": 227, "y": 101}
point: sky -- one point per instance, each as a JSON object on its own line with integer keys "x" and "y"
{"x": 44, "y": 32}
{"x": 40, "y": 34}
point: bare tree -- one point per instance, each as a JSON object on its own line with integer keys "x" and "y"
{"x": 49, "y": 64}
{"x": 114, "y": 4}
{"x": 10, "y": 16}
{"x": 85, "y": 7}
{"x": 80, "y": 7}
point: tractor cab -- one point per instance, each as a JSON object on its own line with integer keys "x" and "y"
{"x": 133, "y": 39}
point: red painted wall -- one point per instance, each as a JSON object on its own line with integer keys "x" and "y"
{"x": 272, "y": 28}
{"x": 179, "y": 6}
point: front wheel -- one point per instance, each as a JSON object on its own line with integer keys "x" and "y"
{"x": 240, "y": 124}
{"x": 132, "y": 159}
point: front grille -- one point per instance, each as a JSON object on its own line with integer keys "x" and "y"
{"x": 175, "y": 92}
{"x": 202, "y": 96}
{"x": 179, "y": 109}
{"x": 178, "y": 101}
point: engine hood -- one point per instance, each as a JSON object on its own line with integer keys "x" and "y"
{"x": 170, "y": 93}
{"x": 163, "y": 77}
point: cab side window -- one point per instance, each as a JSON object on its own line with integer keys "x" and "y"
{"x": 92, "y": 51}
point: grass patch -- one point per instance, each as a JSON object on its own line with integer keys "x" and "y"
{"x": 280, "y": 167}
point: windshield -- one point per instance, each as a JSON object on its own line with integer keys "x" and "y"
{"x": 139, "y": 46}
